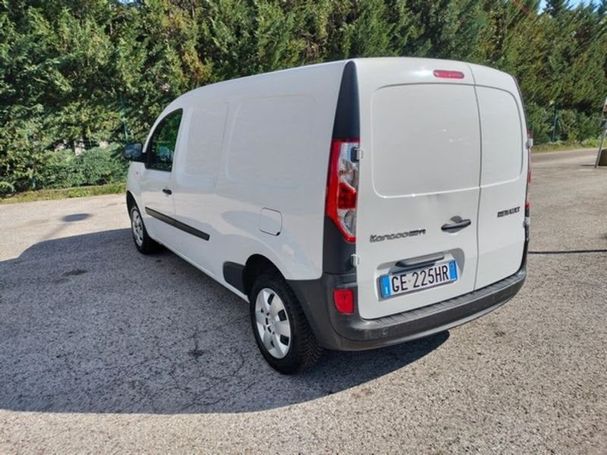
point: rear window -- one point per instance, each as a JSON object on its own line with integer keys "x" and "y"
{"x": 502, "y": 136}
{"x": 425, "y": 139}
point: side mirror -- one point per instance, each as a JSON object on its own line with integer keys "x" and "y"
{"x": 133, "y": 152}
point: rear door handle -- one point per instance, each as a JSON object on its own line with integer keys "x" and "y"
{"x": 167, "y": 191}
{"x": 420, "y": 262}
{"x": 461, "y": 224}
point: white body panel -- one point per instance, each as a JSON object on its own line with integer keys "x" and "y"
{"x": 503, "y": 177}
{"x": 252, "y": 154}
{"x": 151, "y": 184}
{"x": 436, "y": 150}
{"x": 421, "y": 166}
{"x": 251, "y": 162}
{"x": 195, "y": 171}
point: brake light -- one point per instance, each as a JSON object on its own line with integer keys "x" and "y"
{"x": 448, "y": 74}
{"x": 342, "y": 186}
{"x": 344, "y": 300}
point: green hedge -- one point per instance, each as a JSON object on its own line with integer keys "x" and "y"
{"x": 64, "y": 169}
{"x": 97, "y": 166}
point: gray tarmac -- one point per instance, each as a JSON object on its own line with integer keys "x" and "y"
{"x": 105, "y": 350}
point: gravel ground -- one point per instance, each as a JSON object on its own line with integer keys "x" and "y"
{"x": 102, "y": 349}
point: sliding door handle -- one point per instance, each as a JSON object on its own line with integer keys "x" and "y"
{"x": 167, "y": 191}
{"x": 460, "y": 224}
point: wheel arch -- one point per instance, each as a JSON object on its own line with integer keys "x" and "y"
{"x": 130, "y": 201}
{"x": 242, "y": 277}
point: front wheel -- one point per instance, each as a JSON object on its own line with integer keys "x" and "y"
{"x": 280, "y": 327}
{"x": 144, "y": 243}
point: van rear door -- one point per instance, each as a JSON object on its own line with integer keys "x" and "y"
{"x": 419, "y": 178}
{"x": 501, "y": 231}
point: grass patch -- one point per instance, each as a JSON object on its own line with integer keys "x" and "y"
{"x": 564, "y": 146}
{"x": 64, "y": 193}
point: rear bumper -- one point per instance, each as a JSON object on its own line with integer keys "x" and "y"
{"x": 353, "y": 333}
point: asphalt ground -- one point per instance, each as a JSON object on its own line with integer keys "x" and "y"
{"x": 105, "y": 350}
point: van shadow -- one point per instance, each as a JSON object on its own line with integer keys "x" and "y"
{"x": 90, "y": 325}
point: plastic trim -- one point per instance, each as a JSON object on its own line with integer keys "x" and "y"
{"x": 177, "y": 224}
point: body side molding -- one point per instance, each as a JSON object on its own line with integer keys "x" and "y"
{"x": 177, "y": 224}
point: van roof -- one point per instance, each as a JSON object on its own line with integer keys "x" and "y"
{"x": 482, "y": 75}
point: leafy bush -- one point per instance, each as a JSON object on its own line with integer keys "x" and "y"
{"x": 571, "y": 126}
{"x": 96, "y": 166}
{"x": 57, "y": 170}
{"x": 539, "y": 121}
{"x": 588, "y": 127}
{"x": 6, "y": 188}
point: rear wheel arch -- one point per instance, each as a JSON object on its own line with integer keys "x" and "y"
{"x": 255, "y": 266}
{"x": 243, "y": 277}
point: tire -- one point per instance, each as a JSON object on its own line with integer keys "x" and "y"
{"x": 144, "y": 243}
{"x": 270, "y": 323}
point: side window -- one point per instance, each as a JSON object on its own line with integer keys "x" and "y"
{"x": 163, "y": 142}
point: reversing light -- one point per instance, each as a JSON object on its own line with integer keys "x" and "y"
{"x": 342, "y": 186}
{"x": 344, "y": 300}
{"x": 448, "y": 74}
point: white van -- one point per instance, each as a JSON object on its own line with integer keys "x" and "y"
{"x": 354, "y": 204}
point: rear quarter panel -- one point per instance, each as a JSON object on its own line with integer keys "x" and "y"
{"x": 275, "y": 156}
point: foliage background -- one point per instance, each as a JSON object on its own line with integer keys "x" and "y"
{"x": 79, "y": 73}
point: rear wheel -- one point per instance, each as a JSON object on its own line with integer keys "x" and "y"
{"x": 144, "y": 243}
{"x": 280, "y": 327}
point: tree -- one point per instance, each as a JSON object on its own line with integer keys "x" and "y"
{"x": 556, "y": 7}
{"x": 78, "y": 72}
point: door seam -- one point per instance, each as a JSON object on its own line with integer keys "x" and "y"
{"x": 480, "y": 174}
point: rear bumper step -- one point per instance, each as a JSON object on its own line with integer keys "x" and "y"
{"x": 352, "y": 333}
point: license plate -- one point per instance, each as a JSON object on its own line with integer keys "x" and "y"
{"x": 414, "y": 280}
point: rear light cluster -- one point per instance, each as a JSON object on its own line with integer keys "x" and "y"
{"x": 342, "y": 186}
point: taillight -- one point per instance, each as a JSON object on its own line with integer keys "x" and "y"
{"x": 342, "y": 186}
{"x": 344, "y": 300}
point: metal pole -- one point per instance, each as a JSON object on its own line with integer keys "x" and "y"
{"x": 598, "y": 154}
{"x": 553, "y": 139}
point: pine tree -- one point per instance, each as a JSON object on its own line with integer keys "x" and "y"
{"x": 556, "y": 7}
{"x": 86, "y": 71}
